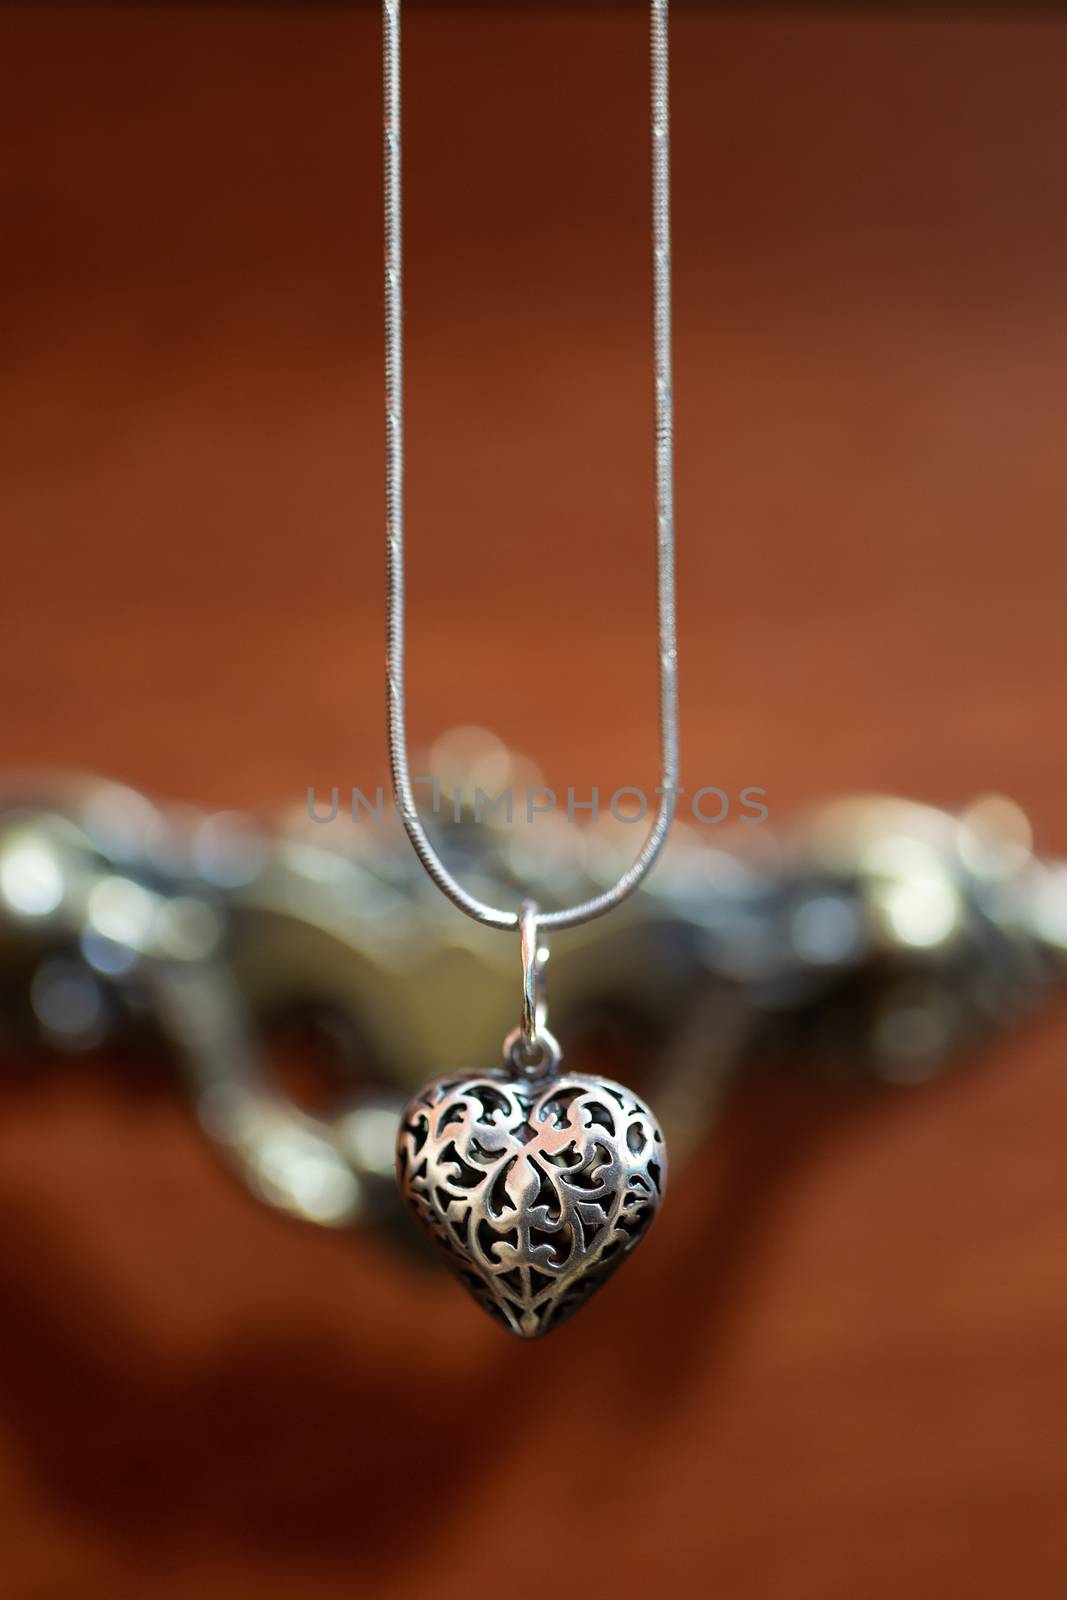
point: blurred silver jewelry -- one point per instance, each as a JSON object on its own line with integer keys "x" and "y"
{"x": 875, "y": 942}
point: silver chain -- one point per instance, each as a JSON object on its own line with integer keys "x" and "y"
{"x": 394, "y": 493}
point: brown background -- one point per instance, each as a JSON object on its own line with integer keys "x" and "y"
{"x": 839, "y": 1370}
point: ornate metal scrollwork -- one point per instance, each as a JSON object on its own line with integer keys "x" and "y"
{"x": 535, "y": 1191}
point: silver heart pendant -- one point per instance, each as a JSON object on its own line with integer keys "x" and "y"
{"x": 535, "y": 1190}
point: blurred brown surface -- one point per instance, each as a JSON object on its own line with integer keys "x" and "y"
{"x": 859, "y": 1391}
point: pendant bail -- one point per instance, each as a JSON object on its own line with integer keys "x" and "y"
{"x": 534, "y": 961}
{"x": 530, "y": 1046}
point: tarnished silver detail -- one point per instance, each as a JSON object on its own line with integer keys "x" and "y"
{"x": 534, "y": 1193}
{"x": 537, "y": 1061}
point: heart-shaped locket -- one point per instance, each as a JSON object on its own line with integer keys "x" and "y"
{"x": 535, "y": 1190}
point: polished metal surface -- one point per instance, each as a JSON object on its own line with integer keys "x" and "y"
{"x": 628, "y": 879}
{"x": 534, "y": 956}
{"x": 532, "y": 1048}
{"x": 534, "y": 1192}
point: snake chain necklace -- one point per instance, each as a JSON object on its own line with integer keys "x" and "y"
{"x": 534, "y": 1182}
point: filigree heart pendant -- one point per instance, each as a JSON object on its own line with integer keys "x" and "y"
{"x": 535, "y": 1189}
